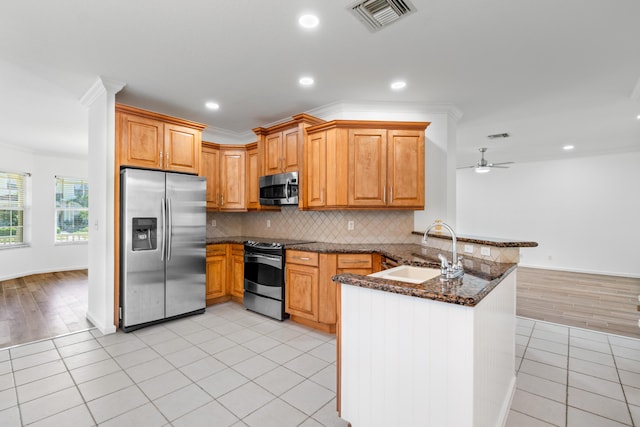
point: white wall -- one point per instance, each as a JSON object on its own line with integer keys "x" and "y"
{"x": 583, "y": 212}
{"x": 42, "y": 255}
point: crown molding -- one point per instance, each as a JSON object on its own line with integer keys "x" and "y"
{"x": 342, "y": 107}
{"x": 100, "y": 86}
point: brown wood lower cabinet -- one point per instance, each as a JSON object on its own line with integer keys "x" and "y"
{"x": 311, "y": 295}
{"x": 225, "y": 273}
{"x": 237, "y": 271}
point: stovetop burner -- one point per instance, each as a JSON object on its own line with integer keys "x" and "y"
{"x": 273, "y": 243}
{"x": 264, "y": 245}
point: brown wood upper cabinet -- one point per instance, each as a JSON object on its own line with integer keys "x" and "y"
{"x": 155, "y": 141}
{"x": 280, "y": 146}
{"x": 224, "y": 167}
{"x": 253, "y": 176}
{"x": 381, "y": 163}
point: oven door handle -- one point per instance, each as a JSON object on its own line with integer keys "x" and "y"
{"x": 274, "y": 261}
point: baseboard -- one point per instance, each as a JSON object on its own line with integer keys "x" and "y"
{"x": 579, "y": 270}
{"x": 44, "y": 271}
{"x": 104, "y": 329}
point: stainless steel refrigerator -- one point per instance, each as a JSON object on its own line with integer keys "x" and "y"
{"x": 162, "y": 246}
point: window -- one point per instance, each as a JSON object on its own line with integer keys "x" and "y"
{"x": 72, "y": 210}
{"x": 12, "y": 197}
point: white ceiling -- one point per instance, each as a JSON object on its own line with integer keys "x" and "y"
{"x": 548, "y": 72}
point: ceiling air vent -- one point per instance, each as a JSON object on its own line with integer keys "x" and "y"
{"x": 377, "y": 14}
{"x": 498, "y": 135}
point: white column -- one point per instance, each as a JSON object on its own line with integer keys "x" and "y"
{"x": 100, "y": 101}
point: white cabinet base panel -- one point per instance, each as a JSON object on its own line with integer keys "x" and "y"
{"x": 416, "y": 362}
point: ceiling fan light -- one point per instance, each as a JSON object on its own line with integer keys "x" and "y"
{"x": 482, "y": 169}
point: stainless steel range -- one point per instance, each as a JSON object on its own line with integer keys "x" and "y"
{"x": 264, "y": 277}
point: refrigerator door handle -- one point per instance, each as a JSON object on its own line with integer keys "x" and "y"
{"x": 169, "y": 228}
{"x": 162, "y": 246}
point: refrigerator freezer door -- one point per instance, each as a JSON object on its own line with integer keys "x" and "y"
{"x": 142, "y": 277}
{"x": 186, "y": 244}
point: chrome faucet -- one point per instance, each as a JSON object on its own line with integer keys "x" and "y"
{"x": 447, "y": 270}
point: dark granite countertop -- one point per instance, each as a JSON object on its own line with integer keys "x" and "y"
{"x": 480, "y": 276}
{"x": 486, "y": 241}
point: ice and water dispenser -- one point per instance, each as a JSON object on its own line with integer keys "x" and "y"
{"x": 144, "y": 234}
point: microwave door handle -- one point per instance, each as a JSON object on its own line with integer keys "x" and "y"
{"x": 286, "y": 190}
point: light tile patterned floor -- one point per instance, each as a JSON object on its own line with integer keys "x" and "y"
{"x": 231, "y": 367}
{"x": 574, "y": 377}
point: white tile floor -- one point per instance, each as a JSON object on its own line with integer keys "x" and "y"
{"x": 574, "y": 377}
{"x": 231, "y": 367}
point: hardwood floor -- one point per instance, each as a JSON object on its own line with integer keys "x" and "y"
{"x": 590, "y": 301}
{"x": 42, "y": 306}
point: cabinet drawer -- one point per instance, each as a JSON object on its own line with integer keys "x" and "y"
{"x": 218, "y": 249}
{"x": 237, "y": 249}
{"x": 302, "y": 258}
{"x": 354, "y": 261}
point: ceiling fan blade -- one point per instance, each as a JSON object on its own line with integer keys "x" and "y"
{"x": 467, "y": 167}
{"x": 500, "y": 163}
{"x": 498, "y": 166}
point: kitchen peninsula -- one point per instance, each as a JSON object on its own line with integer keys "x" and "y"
{"x": 436, "y": 352}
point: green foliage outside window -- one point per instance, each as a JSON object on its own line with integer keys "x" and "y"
{"x": 72, "y": 210}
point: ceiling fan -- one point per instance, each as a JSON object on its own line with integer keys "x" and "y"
{"x": 483, "y": 166}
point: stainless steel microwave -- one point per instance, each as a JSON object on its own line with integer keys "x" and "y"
{"x": 279, "y": 189}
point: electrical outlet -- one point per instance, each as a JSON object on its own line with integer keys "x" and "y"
{"x": 485, "y": 251}
{"x": 213, "y": 222}
{"x": 268, "y": 223}
{"x": 350, "y": 225}
{"x": 468, "y": 249}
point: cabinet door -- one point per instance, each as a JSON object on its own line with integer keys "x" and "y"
{"x": 291, "y": 150}
{"x": 182, "y": 147}
{"x": 337, "y": 192}
{"x": 367, "y": 167}
{"x": 301, "y": 291}
{"x": 216, "y": 276}
{"x": 141, "y": 142}
{"x": 253, "y": 176}
{"x": 210, "y": 169}
{"x": 327, "y": 290}
{"x": 315, "y": 170}
{"x": 237, "y": 272}
{"x": 232, "y": 180}
{"x": 405, "y": 168}
{"x": 273, "y": 153}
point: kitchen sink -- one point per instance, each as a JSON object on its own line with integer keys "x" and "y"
{"x": 408, "y": 273}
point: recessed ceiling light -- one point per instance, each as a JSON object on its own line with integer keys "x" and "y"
{"x": 638, "y": 117}
{"x": 308, "y": 21}
{"x": 568, "y": 147}
{"x": 306, "y": 81}
{"x": 398, "y": 85}
{"x": 212, "y": 105}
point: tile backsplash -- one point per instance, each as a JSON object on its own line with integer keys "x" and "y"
{"x": 378, "y": 226}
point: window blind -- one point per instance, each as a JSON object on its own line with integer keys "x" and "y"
{"x": 72, "y": 209}
{"x": 12, "y": 199}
